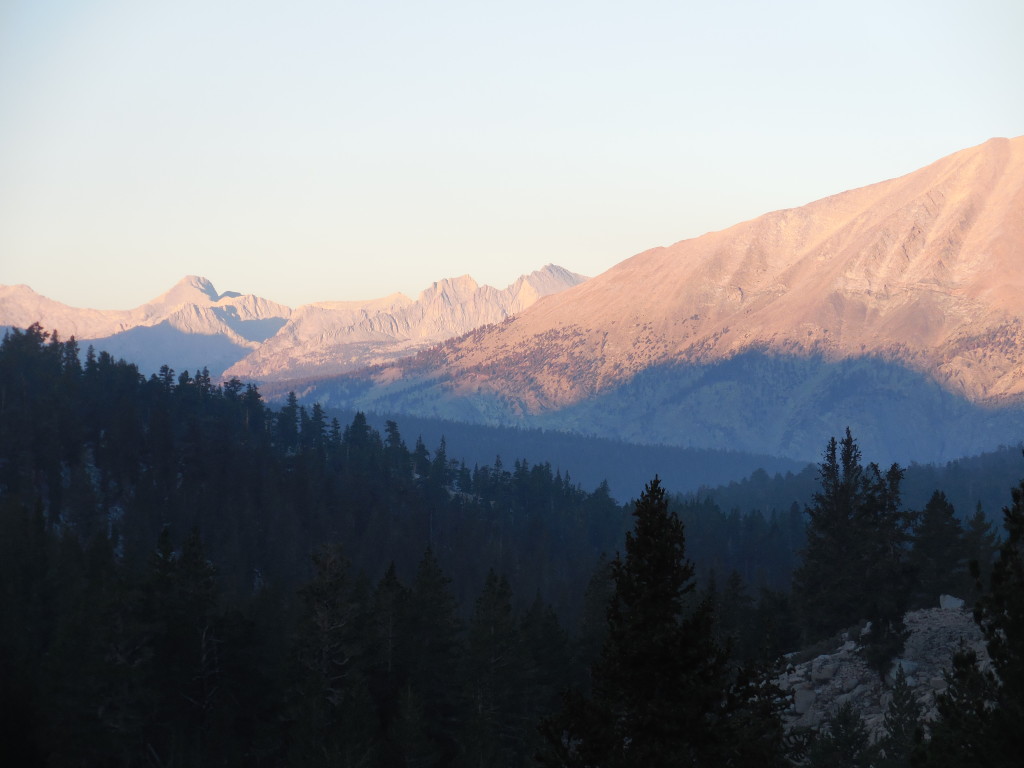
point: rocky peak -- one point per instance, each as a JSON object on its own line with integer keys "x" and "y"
{"x": 191, "y": 289}
{"x": 334, "y": 337}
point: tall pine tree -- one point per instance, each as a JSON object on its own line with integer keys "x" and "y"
{"x": 660, "y": 693}
{"x": 981, "y": 713}
{"x": 855, "y": 563}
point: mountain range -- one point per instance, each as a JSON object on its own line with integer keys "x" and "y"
{"x": 893, "y": 309}
{"x": 192, "y": 326}
{"x": 332, "y": 337}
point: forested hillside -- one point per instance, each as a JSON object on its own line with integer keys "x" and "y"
{"x": 589, "y": 460}
{"x": 190, "y": 577}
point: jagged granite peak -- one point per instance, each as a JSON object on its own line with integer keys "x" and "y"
{"x": 189, "y": 326}
{"x": 918, "y": 276}
{"x": 191, "y": 289}
{"x": 328, "y": 338}
{"x": 21, "y": 306}
{"x": 192, "y": 324}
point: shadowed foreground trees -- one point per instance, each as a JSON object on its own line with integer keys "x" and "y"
{"x": 981, "y": 713}
{"x": 125, "y": 639}
{"x": 662, "y": 690}
{"x": 855, "y": 564}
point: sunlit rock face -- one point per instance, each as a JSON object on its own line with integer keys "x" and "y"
{"x": 921, "y": 275}
{"x": 332, "y": 337}
{"x": 192, "y": 326}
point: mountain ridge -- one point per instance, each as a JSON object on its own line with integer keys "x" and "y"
{"x": 730, "y": 281}
{"x": 192, "y": 325}
{"x": 918, "y": 273}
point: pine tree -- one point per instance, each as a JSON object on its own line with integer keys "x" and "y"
{"x": 961, "y": 733}
{"x": 593, "y": 628}
{"x": 546, "y": 668}
{"x": 1001, "y": 616}
{"x": 938, "y": 553}
{"x": 180, "y": 608}
{"x": 287, "y": 423}
{"x": 435, "y": 669}
{"x": 735, "y": 613}
{"x": 980, "y": 714}
{"x": 980, "y": 546}
{"x": 332, "y": 719}
{"x": 661, "y": 687}
{"x": 389, "y": 647}
{"x": 412, "y": 734}
{"x": 843, "y": 743}
{"x": 493, "y": 673}
{"x": 902, "y": 725}
{"x": 855, "y": 562}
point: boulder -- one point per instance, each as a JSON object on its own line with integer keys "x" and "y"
{"x": 824, "y": 668}
{"x": 803, "y": 700}
{"x": 950, "y": 603}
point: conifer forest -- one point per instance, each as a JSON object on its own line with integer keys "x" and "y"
{"x": 191, "y": 577}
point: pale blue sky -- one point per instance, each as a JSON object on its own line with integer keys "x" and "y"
{"x": 339, "y": 150}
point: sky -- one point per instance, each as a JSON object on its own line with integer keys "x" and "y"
{"x": 308, "y": 151}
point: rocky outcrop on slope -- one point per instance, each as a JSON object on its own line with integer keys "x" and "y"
{"x": 819, "y": 686}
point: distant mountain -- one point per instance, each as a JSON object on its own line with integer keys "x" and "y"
{"x": 894, "y": 308}
{"x": 331, "y": 337}
{"x": 188, "y": 327}
{"x": 192, "y": 325}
